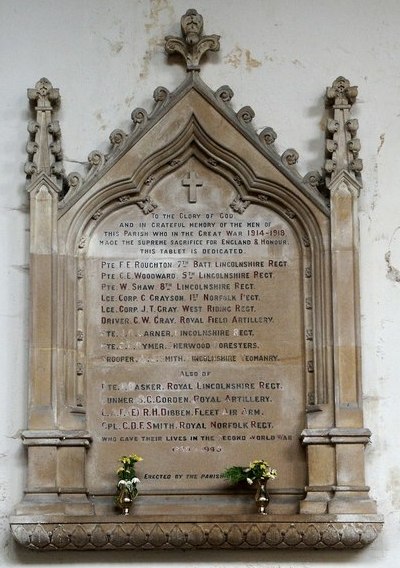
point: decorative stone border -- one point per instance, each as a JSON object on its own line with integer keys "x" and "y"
{"x": 104, "y": 534}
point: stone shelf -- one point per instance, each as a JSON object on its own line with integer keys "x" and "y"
{"x": 46, "y": 533}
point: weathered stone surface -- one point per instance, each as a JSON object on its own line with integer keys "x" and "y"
{"x": 194, "y": 300}
{"x": 276, "y": 533}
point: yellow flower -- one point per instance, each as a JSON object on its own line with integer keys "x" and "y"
{"x": 135, "y": 457}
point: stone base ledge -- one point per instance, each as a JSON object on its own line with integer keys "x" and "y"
{"x": 294, "y": 532}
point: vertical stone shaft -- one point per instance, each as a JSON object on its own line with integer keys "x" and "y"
{"x": 348, "y": 437}
{"x": 43, "y": 192}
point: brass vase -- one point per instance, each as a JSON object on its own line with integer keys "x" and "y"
{"x": 126, "y": 493}
{"x": 262, "y": 496}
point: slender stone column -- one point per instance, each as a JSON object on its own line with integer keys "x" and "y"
{"x": 344, "y": 185}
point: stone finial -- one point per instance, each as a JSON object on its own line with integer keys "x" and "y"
{"x": 342, "y": 145}
{"x": 44, "y": 144}
{"x": 341, "y": 93}
{"x": 43, "y": 94}
{"x": 193, "y": 45}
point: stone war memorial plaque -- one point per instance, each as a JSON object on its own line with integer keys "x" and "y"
{"x": 194, "y": 301}
{"x": 194, "y": 339}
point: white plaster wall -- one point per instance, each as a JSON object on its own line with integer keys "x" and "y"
{"x": 106, "y": 56}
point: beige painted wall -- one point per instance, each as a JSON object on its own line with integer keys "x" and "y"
{"x": 106, "y": 57}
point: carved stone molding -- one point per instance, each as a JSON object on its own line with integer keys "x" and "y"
{"x": 251, "y": 533}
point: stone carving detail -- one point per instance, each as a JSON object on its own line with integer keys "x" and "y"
{"x": 74, "y": 181}
{"x": 118, "y": 139}
{"x": 147, "y": 205}
{"x": 312, "y": 180}
{"x": 239, "y": 205}
{"x": 290, "y": 157}
{"x": 268, "y": 136}
{"x": 198, "y": 127}
{"x": 139, "y": 118}
{"x": 186, "y": 535}
{"x": 193, "y": 45}
{"x": 246, "y": 115}
{"x": 125, "y": 198}
{"x": 44, "y": 144}
{"x": 342, "y": 146}
{"x": 82, "y": 242}
{"x": 161, "y": 95}
{"x": 224, "y": 93}
{"x": 96, "y": 161}
{"x": 97, "y": 214}
{"x": 192, "y": 182}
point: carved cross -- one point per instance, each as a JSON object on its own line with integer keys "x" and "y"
{"x": 192, "y": 182}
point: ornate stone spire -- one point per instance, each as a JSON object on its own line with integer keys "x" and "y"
{"x": 44, "y": 144}
{"x": 193, "y": 45}
{"x": 342, "y": 145}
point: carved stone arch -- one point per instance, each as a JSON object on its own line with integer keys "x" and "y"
{"x": 193, "y": 135}
{"x": 193, "y": 140}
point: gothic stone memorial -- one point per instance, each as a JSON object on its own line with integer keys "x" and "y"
{"x": 194, "y": 301}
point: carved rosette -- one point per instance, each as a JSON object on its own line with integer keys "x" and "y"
{"x": 188, "y": 535}
{"x": 239, "y": 205}
{"x": 147, "y": 205}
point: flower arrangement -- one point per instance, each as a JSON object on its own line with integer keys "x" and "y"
{"x": 257, "y": 470}
{"x": 127, "y": 482}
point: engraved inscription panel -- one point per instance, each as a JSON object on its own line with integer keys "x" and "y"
{"x": 195, "y": 337}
